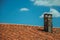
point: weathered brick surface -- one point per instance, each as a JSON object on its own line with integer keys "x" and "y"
{"x": 25, "y": 32}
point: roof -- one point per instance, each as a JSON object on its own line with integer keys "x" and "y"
{"x": 24, "y": 32}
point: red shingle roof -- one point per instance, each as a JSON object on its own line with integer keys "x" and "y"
{"x": 24, "y": 32}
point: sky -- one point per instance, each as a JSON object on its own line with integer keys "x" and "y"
{"x": 29, "y": 12}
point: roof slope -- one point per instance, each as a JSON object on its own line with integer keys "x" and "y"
{"x": 25, "y": 32}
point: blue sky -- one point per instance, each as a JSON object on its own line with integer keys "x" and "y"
{"x": 29, "y": 12}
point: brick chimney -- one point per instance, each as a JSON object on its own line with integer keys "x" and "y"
{"x": 48, "y": 23}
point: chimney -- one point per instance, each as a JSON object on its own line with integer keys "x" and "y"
{"x": 48, "y": 23}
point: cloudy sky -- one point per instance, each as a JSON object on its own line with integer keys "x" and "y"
{"x": 29, "y": 12}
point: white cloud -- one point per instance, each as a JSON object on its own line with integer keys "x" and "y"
{"x": 54, "y": 13}
{"x": 24, "y": 9}
{"x": 46, "y": 2}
